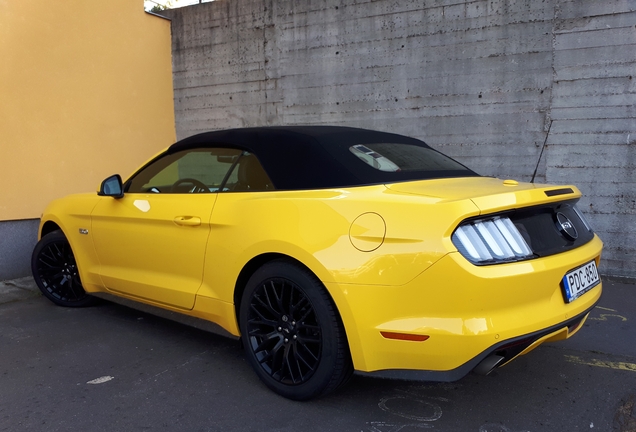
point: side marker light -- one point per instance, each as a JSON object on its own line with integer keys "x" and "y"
{"x": 404, "y": 336}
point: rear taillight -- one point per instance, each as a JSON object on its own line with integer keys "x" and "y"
{"x": 491, "y": 240}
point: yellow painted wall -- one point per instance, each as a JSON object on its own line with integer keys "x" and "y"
{"x": 85, "y": 92}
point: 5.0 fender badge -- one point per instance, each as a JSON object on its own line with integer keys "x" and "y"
{"x": 566, "y": 227}
{"x": 83, "y": 231}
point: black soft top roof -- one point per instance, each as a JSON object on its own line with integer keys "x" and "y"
{"x": 312, "y": 157}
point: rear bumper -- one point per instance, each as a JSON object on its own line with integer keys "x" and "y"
{"x": 504, "y": 352}
{"x": 468, "y": 313}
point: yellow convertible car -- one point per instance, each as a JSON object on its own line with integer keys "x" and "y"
{"x": 330, "y": 250}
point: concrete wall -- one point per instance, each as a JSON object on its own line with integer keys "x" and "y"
{"x": 18, "y": 241}
{"x": 593, "y": 138}
{"x": 85, "y": 92}
{"x": 484, "y": 81}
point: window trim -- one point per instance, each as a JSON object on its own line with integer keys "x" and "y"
{"x": 168, "y": 153}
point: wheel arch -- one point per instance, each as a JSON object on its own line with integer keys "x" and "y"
{"x": 303, "y": 312}
{"x": 81, "y": 245}
{"x": 48, "y": 227}
{"x": 254, "y": 264}
{"x": 55, "y": 269}
{"x": 260, "y": 260}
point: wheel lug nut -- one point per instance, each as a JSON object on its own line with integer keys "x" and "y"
{"x": 293, "y": 322}
{"x": 286, "y": 340}
{"x": 295, "y": 337}
{"x": 280, "y": 329}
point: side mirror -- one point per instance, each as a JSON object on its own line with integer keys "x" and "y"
{"x": 112, "y": 187}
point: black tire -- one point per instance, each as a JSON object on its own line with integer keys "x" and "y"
{"x": 292, "y": 333}
{"x": 55, "y": 272}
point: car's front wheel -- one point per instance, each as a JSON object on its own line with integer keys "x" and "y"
{"x": 292, "y": 333}
{"x": 55, "y": 271}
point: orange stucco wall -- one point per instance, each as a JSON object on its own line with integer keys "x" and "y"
{"x": 85, "y": 92}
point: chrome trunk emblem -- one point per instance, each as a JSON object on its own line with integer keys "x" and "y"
{"x": 566, "y": 227}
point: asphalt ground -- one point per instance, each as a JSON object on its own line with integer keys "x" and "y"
{"x": 112, "y": 368}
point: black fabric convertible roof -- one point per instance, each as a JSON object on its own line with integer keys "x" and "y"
{"x": 312, "y": 157}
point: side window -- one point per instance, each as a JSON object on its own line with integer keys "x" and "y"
{"x": 188, "y": 171}
{"x": 249, "y": 176}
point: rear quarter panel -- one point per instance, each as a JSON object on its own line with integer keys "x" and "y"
{"x": 313, "y": 228}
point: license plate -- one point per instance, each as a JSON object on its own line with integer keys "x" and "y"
{"x": 580, "y": 280}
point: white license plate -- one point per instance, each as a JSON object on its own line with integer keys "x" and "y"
{"x": 580, "y": 280}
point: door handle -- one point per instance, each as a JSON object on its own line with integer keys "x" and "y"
{"x": 187, "y": 220}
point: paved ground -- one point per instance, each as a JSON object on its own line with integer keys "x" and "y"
{"x": 18, "y": 289}
{"x": 111, "y": 368}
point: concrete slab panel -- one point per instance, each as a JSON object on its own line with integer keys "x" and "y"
{"x": 480, "y": 80}
{"x": 17, "y": 241}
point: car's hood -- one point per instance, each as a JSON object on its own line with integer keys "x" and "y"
{"x": 489, "y": 194}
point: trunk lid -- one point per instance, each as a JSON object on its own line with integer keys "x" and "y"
{"x": 489, "y": 194}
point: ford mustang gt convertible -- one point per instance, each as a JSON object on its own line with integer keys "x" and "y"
{"x": 330, "y": 250}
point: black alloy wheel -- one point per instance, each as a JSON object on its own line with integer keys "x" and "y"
{"x": 284, "y": 332}
{"x": 55, "y": 272}
{"x": 292, "y": 333}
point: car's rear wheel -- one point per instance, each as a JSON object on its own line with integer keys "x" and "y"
{"x": 55, "y": 272}
{"x": 292, "y": 333}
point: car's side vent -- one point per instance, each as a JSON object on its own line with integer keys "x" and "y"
{"x": 555, "y": 192}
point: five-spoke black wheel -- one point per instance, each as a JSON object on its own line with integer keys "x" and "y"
{"x": 292, "y": 333}
{"x": 55, "y": 271}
